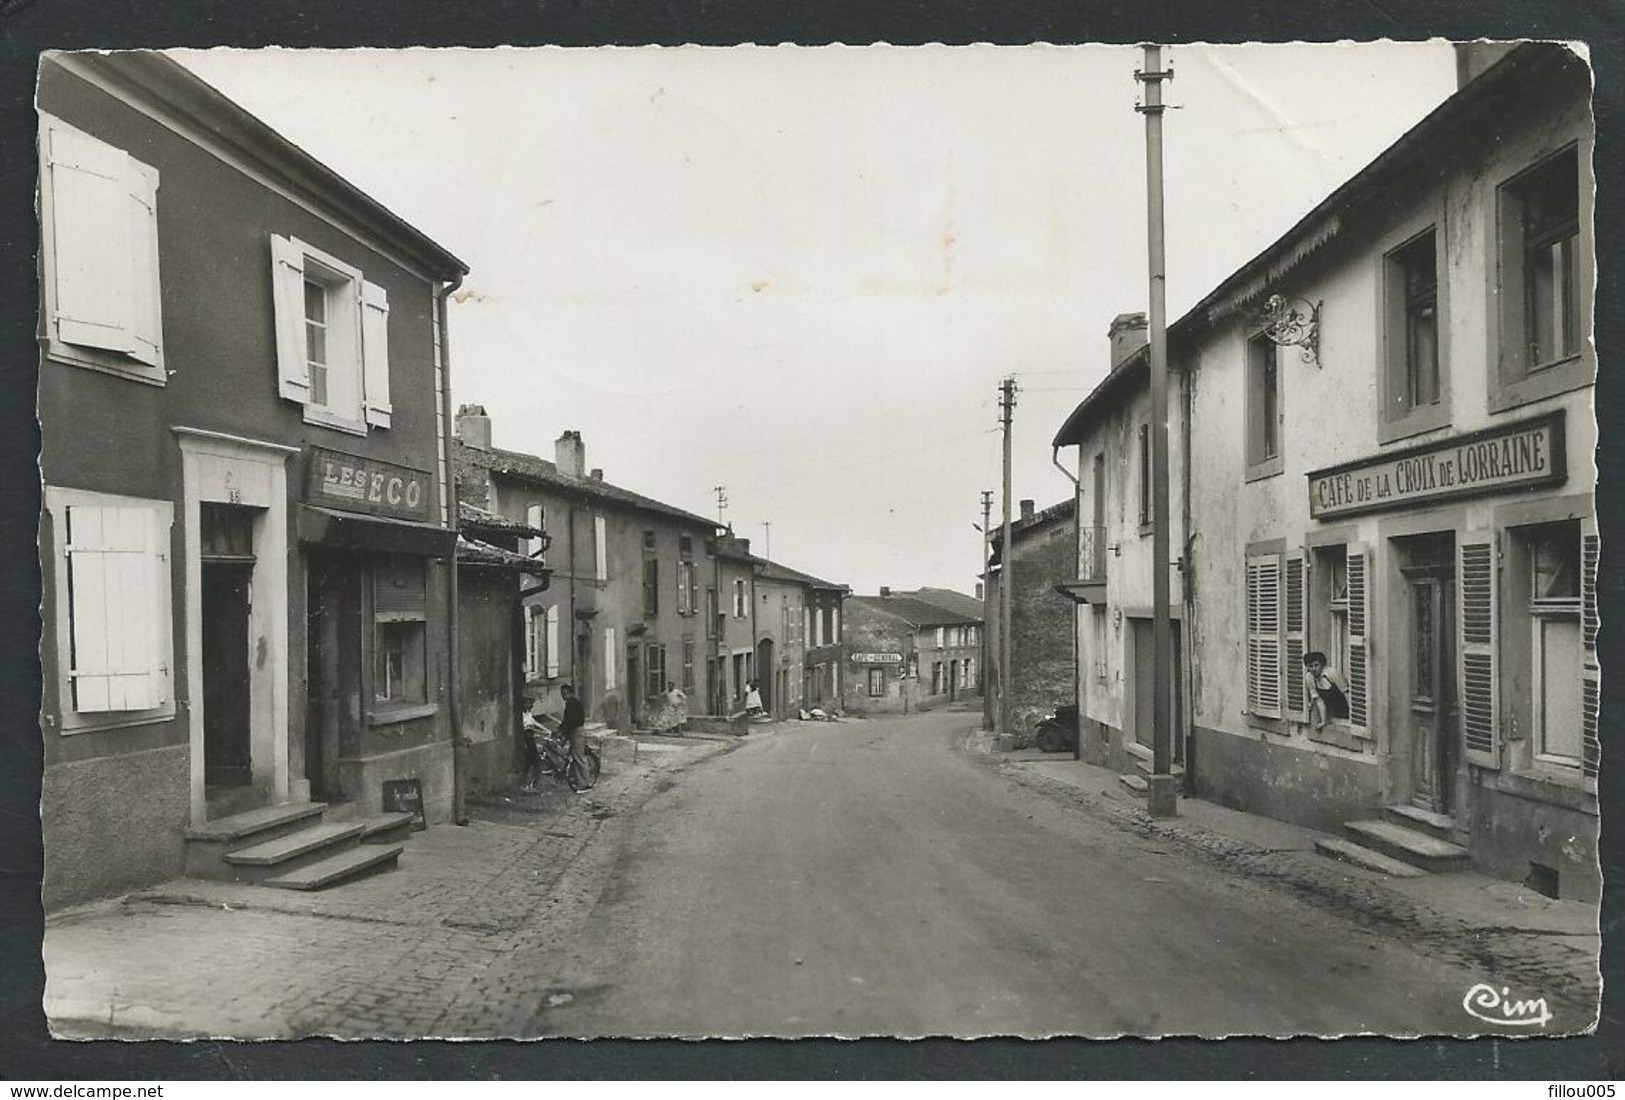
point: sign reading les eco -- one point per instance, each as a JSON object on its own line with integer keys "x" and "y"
{"x": 1515, "y": 456}
{"x": 354, "y": 484}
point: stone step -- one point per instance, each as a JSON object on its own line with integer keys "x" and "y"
{"x": 1144, "y": 767}
{"x": 385, "y": 827}
{"x": 1438, "y": 826}
{"x": 282, "y": 849}
{"x": 1135, "y": 783}
{"x": 336, "y": 868}
{"x": 1349, "y": 852}
{"x": 1407, "y": 845}
{"x": 254, "y": 822}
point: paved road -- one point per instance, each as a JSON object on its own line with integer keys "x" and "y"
{"x": 870, "y": 877}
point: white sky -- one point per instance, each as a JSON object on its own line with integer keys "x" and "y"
{"x": 800, "y": 273}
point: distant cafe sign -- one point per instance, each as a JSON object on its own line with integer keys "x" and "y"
{"x": 1524, "y": 455}
{"x": 354, "y": 484}
{"x": 877, "y": 658}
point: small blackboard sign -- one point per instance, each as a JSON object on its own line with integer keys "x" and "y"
{"x": 405, "y": 796}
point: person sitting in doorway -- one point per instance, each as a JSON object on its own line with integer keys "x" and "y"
{"x": 753, "y": 699}
{"x": 1326, "y": 688}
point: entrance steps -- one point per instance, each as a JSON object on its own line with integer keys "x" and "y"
{"x": 295, "y": 846}
{"x": 1138, "y": 783}
{"x": 1404, "y": 842}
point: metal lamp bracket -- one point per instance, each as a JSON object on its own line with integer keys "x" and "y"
{"x": 1292, "y": 322}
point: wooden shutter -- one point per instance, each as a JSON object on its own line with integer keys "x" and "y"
{"x": 375, "y": 353}
{"x": 146, "y": 315}
{"x": 1476, "y": 569}
{"x": 1264, "y": 636}
{"x": 610, "y": 682}
{"x": 116, "y": 577}
{"x": 553, "y": 641}
{"x": 91, "y": 226}
{"x": 288, "y": 304}
{"x": 533, "y": 517}
{"x": 1358, "y": 674}
{"x": 1297, "y": 704}
{"x": 600, "y": 549}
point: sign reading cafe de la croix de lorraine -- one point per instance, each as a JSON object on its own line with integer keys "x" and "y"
{"x": 1524, "y": 455}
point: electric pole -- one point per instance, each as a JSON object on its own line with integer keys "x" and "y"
{"x": 987, "y": 598}
{"x": 1163, "y": 797}
{"x": 1007, "y": 404}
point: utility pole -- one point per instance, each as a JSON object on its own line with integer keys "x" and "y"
{"x": 987, "y": 594}
{"x": 1007, "y": 404}
{"x": 1162, "y": 795}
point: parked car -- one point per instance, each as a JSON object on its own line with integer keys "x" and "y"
{"x": 1059, "y": 731}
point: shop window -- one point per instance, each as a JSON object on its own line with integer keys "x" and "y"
{"x": 877, "y": 683}
{"x": 400, "y": 626}
{"x": 1413, "y": 381}
{"x": 332, "y": 331}
{"x": 1263, "y": 408}
{"x": 99, "y": 230}
{"x": 113, "y": 600}
{"x": 1544, "y": 283}
{"x": 1553, "y": 552}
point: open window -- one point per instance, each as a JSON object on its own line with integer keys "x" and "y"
{"x": 332, "y": 338}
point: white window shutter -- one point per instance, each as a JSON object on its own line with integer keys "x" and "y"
{"x": 375, "y": 353}
{"x": 91, "y": 231}
{"x": 1358, "y": 674}
{"x": 609, "y": 659}
{"x": 553, "y": 641}
{"x": 531, "y": 667}
{"x": 1297, "y": 702}
{"x": 600, "y": 549}
{"x": 1476, "y": 628}
{"x": 146, "y": 312}
{"x": 115, "y": 569}
{"x": 533, "y": 518}
{"x": 288, "y": 301}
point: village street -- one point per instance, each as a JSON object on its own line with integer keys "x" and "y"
{"x": 853, "y": 878}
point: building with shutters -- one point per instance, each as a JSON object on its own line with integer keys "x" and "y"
{"x": 623, "y": 612}
{"x": 911, "y": 651}
{"x": 246, "y": 537}
{"x": 1387, "y": 417}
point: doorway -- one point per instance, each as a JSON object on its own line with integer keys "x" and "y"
{"x": 227, "y": 740}
{"x": 1144, "y": 691}
{"x": 1429, "y": 714}
{"x": 764, "y": 665}
{"x": 634, "y": 683}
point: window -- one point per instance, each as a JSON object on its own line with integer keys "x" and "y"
{"x": 1414, "y": 376}
{"x": 936, "y": 677}
{"x": 1264, "y": 635}
{"x": 648, "y": 542}
{"x": 688, "y": 666}
{"x": 535, "y": 516}
{"x": 741, "y": 605}
{"x": 99, "y": 228}
{"x": 834, "y": 624}
{"x": 712, "y": 615}
{"x": 1556, "y": 657}
{"x": 332, "y": 330}
{"x": 1329, "y": 605}
{"x": 877, "y": 683}
{"x": 535, "y": 641}
{"x": 1145, "y": 475}
{"x": 400, "y": 623}
{"x": 1544, "y": 283}
{"x": 112, "y": 593}
{"x": 1263, "y": 408}
{"x": 651, "y": 587}
{"x": 600, "y": 549}
{"x": 688, "y": 577}
{"x": 941, "y": 639}
{"x": 654, "y": 664}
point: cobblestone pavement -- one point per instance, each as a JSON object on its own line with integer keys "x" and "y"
{"x": 437, "y": 947}
{"x": 1564, "y": 967}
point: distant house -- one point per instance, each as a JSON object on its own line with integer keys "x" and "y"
{"x": 906, "y": 653}
{"x": 247, "y": 531}
{"x": 624, "y": 613}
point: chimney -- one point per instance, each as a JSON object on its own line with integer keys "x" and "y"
{"x": 570, "y": 454}
{"x": 597, "y": 473}
{"x": 979, "y": 591}
{"x": 1026, "y": 510}
{"x": 1128, "y": 335}
{"x": 884, "y": 591}
{"x": 474, "y": 427}
{"x": 1472, "y": 58}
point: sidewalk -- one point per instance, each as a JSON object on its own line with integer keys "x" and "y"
{"x": 428, "y": 949}
{"x": 1500, "y": 926}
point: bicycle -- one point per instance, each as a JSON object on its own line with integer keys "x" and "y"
{"x": 554, "y": 747}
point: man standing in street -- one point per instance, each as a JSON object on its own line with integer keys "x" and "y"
{"x": 575, "y": 718}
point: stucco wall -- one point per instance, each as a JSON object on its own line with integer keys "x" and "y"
{"x": 1041, "y": 620}
{"x": 111, "y": 824}
{"x": 1259, "y": 775}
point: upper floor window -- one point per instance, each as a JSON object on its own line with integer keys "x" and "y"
{"x": 741, "y": 605}
{"x": 1413, "y": 380}
{"x": 1544, "y": 283}
{"x": 99, "y": 235}
{"x": 1263, "y": 408}
{"x": 332, "y": 338}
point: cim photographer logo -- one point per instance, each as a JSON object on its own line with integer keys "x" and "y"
{"x": 1496, "y": 1006}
